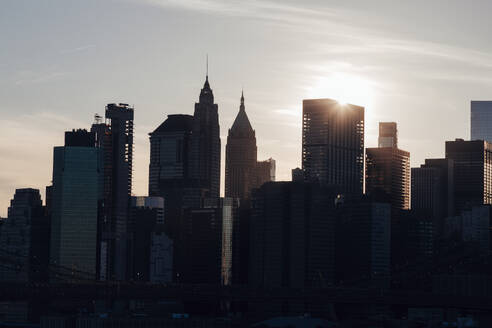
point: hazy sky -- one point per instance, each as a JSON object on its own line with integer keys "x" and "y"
{"x": 418, "y": 63}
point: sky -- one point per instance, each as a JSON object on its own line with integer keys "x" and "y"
{"x": 417, "y": 63}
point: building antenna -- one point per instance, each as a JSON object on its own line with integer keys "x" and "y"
{"x": 207, "y": 66}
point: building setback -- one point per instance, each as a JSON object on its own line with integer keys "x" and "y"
{"x": 333, "y": 144}
{"x": 388, "y": 169}
{"x": 76, "y": 191}
{"x": 24, "y": 239}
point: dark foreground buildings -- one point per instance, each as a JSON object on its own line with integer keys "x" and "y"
{"x": 24, "y": 239}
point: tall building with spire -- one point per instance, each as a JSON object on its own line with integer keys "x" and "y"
{"x": 241, "y": 155}
{"x": 205, "y": 143}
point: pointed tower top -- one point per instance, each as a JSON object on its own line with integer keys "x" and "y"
{"x": 241, "y": 126}
{"x": 241, "y": 107}
{"x": 206, "y": 94}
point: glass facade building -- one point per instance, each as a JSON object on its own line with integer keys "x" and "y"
{"x": 481, "y": 120}
{"x": 77, "y": 189}
{"x": 333, "y": 144}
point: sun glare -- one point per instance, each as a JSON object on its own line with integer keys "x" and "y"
{"x": 345, "y": 88}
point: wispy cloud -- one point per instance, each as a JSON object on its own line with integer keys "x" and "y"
{"x": 78, "y": 49}
{"x": 41, "y": 78}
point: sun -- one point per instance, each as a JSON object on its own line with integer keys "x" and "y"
{"x": 343, "y": 87}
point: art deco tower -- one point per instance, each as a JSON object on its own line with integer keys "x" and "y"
{"x": 241, "y": 153}
{"x": 205, "y": 143}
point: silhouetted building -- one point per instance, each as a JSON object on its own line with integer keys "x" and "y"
{"x": 388, "y": 171}
{"x": 76, "y": 191}
{"x": 433, "y": 190}
{"x": 152, "y": 251}
{"x": 388, "y": 135}
{"x": 208, "y": 233}
{"x": 24, "y": 239}
{"x": 472, "y": 172}
{"x": 333, "y": 144}
{"x": 265, "y": 172}
{"x": 241, "y": 152}
{"x": 412, "y": 249}
{"x": 292, "y": 235}
{"x": 115, "y": 138}
{"x": 472, "y": 225}
{"x": 297, "y": 175}
{"x": 241, "y": 244}
{"x": 205, "y": 143}
{"x": 169, "y": 169}
{"x": 481, "y": 120}
{"x": 363, "y": 235}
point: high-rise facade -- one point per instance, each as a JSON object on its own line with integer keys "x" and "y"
{"x": 169, "y": 169}
{"x": 265, "y": 171}
{"x": 433, "y": 190}
{"x": 388, "y": 135}
{"x": 363, "y": 235}
{"x": 292, "y": 235}
{"x": 481, "y": 120}
{"x": 241, "y": 155}
{"x": 388, "y": 170}
{"x": 115, "y": 139}
{"x": 205, "y": 143}
{"x": 472, "y": 172}
{"x": 24, "y": 239}
{"x": 76, "y": 191}
{"x": 208, "y": 232}
{"x": 152, "y": 249}
{"x": 333, "y": 144}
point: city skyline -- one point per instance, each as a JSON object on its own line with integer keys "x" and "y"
{"x": 56, "y": 80}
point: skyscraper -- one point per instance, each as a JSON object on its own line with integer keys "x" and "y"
{"x": 433, "y": 190}
{"x": 265, "y": 171}
{"x": 333, "y": 144}
{"x": 363, "y": 236}
{"x": 205, "y": 143}
{"x": 152, "y": 249}
{"x": 241, "y": 154}
{"x": 208, "y": 248}
{"x": 388, "y": 135}
{"x": 388, "y": 171}
{"x": 472, "y": 172}
{"x": 481, "y": 120}
{"x": 292, "y": 235}
{"x": 115, "y": 138}
{"x": 24, "y": 239}
{"x": 169, "y": 169}
{"x": 76, "y": 191}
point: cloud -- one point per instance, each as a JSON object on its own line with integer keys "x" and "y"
{"x": 78, "y": 49}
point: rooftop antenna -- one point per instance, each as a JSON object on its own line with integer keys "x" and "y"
{"x": 207, "y": 66}
{"x": 97, "y": 118}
